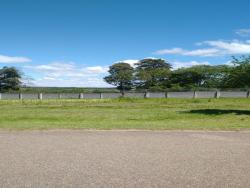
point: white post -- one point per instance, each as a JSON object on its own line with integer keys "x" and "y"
{"x": 59, "y": 96}
{"x": 101, "y": 96}
{"x": 147, "y": 94}
{"x": 40, "y": 96}
{"x": 217, "y": 94}
{"x": 0, "y": 96}
{"x": 81, "y": 96}
{"x": 195, "y": 95}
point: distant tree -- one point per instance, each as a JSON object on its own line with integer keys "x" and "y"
{"x": 152, "y": 73}
{"x": 121, "y": 75}
{"x": 199, "y": 76}
{"x": 218, "y": 75}
{"x": 239, "y": 74}
{"x": 187, "y": 78}
{"x": 10, "y": 79}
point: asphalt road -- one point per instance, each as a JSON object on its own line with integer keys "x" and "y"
{"x": 65, "y": 158}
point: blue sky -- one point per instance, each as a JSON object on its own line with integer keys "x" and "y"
{"x": 72, "y": 43}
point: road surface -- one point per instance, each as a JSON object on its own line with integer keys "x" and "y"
{"x": 76, "y": 158}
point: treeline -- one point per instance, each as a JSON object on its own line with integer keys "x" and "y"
{"x": 66, "y": 90}
{"x": 153, "y": 75}
{"x": 157, "y": 74}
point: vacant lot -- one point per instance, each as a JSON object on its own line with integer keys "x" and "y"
{"x": 213, "y": 114}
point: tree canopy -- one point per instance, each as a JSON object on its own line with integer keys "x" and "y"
{"x": 199, "y": 76}
{"x": 10, "y": 79}
{"x": 239, "y": 75}
{"x": 152, "y": 73}
{"x": 120, "y": 75}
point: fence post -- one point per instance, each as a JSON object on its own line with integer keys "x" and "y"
{"x": 101, "y": 96}
{"x": 123, "y": 93}
{"x": 81, "y": 96}
{"x": 195, "y": 95}
{"x": 59, "y": 96}
{"x": 166, "y": 94}
{"x": 248, "y": 93}
{"x": 20, "y": 96}
{"x": 217, "y": 94}
{"x": 40, "y": 96}
{"x": 0, "y": 96}
{"x": 146, "y": 94}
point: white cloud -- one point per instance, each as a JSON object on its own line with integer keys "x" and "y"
{"x": 70, "y": 82}
{"x": 215, "y": 48}
{"x": 184, "y": 64}
{"x": 179, "y": 51}
{"x": 131, "y": 62}
{"x": 202, "y": 52}
{"x": 229, "y": 63}
{"x": 235, "y": 47}
{"x": 243, "y": 32}
{"x": 68, "y": 74}
{"x": 12, "y": 59}
{"x": 170, "y": 51}
{"x": 97, "y": 69}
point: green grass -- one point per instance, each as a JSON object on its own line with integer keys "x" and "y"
{"x": 151, "y": 114}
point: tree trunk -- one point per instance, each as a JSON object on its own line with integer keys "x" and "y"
{"x": 122, "y": 91}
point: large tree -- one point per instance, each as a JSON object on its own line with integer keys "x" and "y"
{"x": 152, "y": 73}
{"x": 120, "y": 75}
{"x": 199, "y": 76}
{"x": 239, "y": 75}
{"x": 10, "y": 79}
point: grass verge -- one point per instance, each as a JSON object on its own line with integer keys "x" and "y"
{"x": 150, "y": 114}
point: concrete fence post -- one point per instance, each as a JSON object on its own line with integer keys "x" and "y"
{"x": 0, "y": 96}
{"x": 217, "y": 94}
{"x": 248, "y": 93}
{"x": 146, "y": 95}
{"x": 20, "y": 96}
{"x": 195, "y": 95}
{"x": 59, "y": 96}
{"x": 166, "y": 94}
{"x": 81, "y": 96}
{"x": 40, "y": 96}
{"x": 101, "y": 96}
